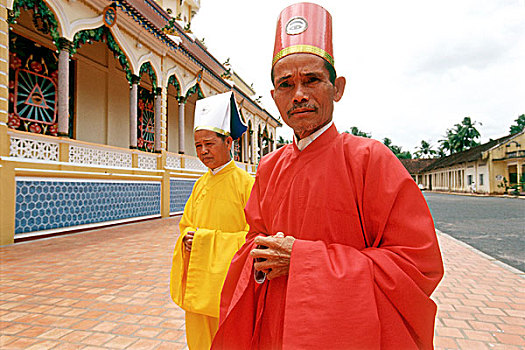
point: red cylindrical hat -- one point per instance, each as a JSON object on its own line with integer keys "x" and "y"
{"x": 304, "y": 28}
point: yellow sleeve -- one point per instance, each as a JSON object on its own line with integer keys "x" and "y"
{"x": 180, "y": 261}
{"x": 209, "y": 261}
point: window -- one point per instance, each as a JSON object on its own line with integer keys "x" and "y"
{"x": 481, "y": 179}
{"x": 469, "y": 180}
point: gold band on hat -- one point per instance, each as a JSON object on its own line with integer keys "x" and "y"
{"x": 212, "y": 128}
{"x": 303, "y": 49}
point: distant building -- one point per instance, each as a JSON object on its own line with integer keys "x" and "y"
{"x": 97, "y": 101}
{"x": 416, "y": 166}
{"x": 490, "y": 168}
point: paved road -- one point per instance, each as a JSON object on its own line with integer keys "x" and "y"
{"x": 494, "y": 225}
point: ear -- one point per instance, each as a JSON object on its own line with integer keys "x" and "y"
{"x": 229, "y": 142}
{"x": 340, "y": 83}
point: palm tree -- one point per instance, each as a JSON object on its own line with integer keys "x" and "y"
{"x": 425, "y": 150}
{"x": 520, "y": 125}
{"x": 462, "y": 137}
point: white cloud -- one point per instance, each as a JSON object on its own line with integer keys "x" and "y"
{"x": 413, "y": 68}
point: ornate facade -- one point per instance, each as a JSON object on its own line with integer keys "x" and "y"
{"x": 96, "y": 112}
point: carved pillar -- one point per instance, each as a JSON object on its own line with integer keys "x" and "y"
{"x": 65, "y": 47}
{"x": 182, "y": 105}
{"x": 158, "y": 105}
{"x": 133, "y": 120}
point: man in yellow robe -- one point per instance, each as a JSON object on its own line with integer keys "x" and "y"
{"x": 213, "y": 226}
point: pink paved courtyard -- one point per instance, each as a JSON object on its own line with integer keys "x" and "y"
{"x": 109, "y": 289}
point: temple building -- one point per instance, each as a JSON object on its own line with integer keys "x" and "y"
{"x": 97, "y": 102}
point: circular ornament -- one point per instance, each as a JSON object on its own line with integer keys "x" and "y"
{"x": 296, "y": 25}
{"x": 110, "y": 16}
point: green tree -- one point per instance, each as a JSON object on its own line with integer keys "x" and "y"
{"x": 520, "y": 125}
{"x": 425, "y": 150}
{"x": 354, "y": 130}
{"x": 399, "y": 153}
{"x": 461, "y": 137}
{"x": 282, "y": 141}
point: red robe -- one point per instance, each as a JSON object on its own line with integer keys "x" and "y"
{"x": 363, "y": 265}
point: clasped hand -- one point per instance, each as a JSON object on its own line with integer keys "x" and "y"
{"x": 187, "y": 240}
{"x": 277, "y": 255}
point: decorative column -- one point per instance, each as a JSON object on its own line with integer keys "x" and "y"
{"x": 260, "y": 143}
{"x": 133, "y": 102}
{"x": 182, "y": 104}
{"x": 158, "y": 105}
{"x": 65, "y": 47}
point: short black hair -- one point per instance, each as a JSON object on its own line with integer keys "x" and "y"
{"x": 221, "y": 136}
{"x": 328, "y": 66}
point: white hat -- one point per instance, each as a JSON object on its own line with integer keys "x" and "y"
{"x": 219, "y": 113}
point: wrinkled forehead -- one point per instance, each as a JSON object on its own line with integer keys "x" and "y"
{"x": 299, "y": 64}
{"x": 205, "y": 136}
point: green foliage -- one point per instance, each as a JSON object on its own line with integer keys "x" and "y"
{"x": 173, "y": 81}
{"x": 194, "y": 89}
{"x": 519, "y": 126}
{"x": 43, "y": 18}
{"x": 354, "y": 130}
{"x": 148, "y": 69}
{"x": 103, "y": 34}
{"x": 461, "y": 137}
{"x": 397, "y": 150}
{"x": 282, "y": 141}
{"x": 425, "y": 150}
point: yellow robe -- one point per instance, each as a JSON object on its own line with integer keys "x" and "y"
{"x": 215, "y": 211}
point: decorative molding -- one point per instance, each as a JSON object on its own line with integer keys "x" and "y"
{"x": 82, "y": 24}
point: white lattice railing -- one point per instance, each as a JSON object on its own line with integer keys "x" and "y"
{"x": 46, "y": 148}
{"x": 33, "y": 147}
{"x": 194, "y": 163}
{"x": 147, "y": 161}
{"x": 241, "y": 165}
{"x": 100, "y": 156}
{"x": 173, "y": 161}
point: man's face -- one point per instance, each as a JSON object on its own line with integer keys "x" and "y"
{"x": 211, "y": 149}
{"x": 304, "y": 94}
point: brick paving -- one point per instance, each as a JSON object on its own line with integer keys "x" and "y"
{"x": 108, "y": 289}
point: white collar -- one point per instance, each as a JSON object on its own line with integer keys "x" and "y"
{"x": 305, "y": 142}
{"x": 216, "y": 170}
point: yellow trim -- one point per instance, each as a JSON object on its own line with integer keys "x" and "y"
{"x": 212, "y": 128}
{"x": 303, "y": 49}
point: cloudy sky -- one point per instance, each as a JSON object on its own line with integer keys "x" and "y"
{"x": 413, "y": 68}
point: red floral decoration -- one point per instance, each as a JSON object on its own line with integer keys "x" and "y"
{"x": 37, "y": 67}
{"x": 14, "y": 61}
{"x": 35, "y": 128}
{"x": 14, "y": 121}
{"x": 54, "y": 76}
{"x": 140, "y": 143}
{"x": 53, "y": 129}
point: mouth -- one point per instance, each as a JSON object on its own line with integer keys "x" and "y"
{"x": 301, "y": 111}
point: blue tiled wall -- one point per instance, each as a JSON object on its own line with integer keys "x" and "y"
{"x": 49, "y": 204}
{"x": 180, "y": 191}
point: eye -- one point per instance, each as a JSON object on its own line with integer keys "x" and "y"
{"x": 312, "y": 80}
{"x": 284, "y": 85}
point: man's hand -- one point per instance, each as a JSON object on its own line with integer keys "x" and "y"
{"x": 277, "y": 255}
{"x": 187, "y": 240}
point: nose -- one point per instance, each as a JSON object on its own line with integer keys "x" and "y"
{"x": 300, "y": 94}
{"x": 204, "y": 150}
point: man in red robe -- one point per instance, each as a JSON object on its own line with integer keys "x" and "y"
{"x": 342, "y": 251}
